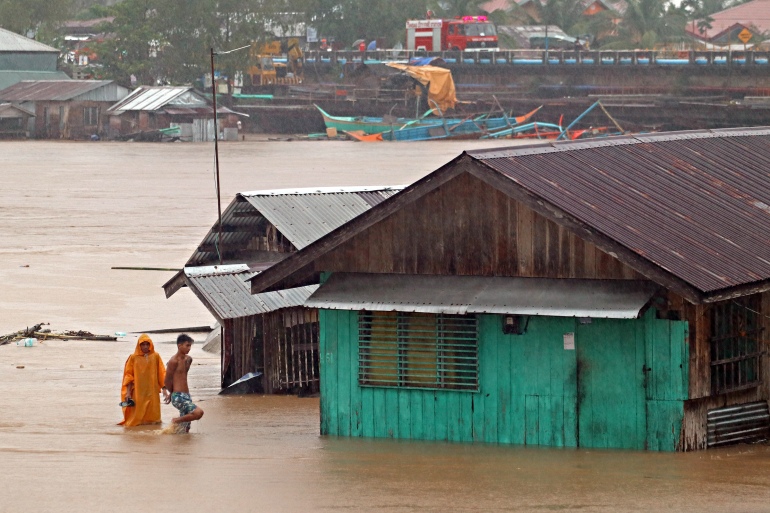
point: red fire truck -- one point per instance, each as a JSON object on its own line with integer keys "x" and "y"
{"x": 460, "y": 33}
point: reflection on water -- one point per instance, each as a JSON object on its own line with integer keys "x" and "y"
{"x": 61, "y": 450}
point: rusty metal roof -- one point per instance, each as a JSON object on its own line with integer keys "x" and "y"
{"x": 300, "y": 215}
{"x": 226, "y": 293}
{"x": 13, "y": 42}
{"x": 613, "y": 299}
{"x": 696, "y": 204}
{"x": 50, "y": 90}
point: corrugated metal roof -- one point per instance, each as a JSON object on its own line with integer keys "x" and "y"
{"x": 8, "y": 110}
{"x": 50, "y": 90}
{"x": 304, "y": 216}
{"x": 13, "y": 42}
{"x": 695, "y": 204}
{"x": 226, "y": 293}
{"x": 616, "y": 299}
{"x": 10, "y": 77}
{"x": 149, "y": 98}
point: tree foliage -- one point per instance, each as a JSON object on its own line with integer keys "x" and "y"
{"x": 349, "y": 20}
{"x": 35, "y": 17}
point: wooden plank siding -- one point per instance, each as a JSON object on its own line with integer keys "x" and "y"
{"x": 465, "y": 227}
{"x": 701, "y": 400}
{"x": 531, "y": 390}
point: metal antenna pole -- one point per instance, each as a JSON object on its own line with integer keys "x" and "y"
{"x": 216, "y": 155}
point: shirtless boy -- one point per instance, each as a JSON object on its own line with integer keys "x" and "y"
{"x": 176, "y": 383}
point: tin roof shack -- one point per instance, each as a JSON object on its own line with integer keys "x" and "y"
{"x": 14, "y": 121}
{"x": 22, "y": 58}
{"x": 150, "y": 111}
{"x": 65, "y": 109}
{"x": 607, "y": 293}
{"x": 272, "y": 333}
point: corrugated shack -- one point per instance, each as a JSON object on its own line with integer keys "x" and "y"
{"x": 150, "y": 111}
{"x": 65, "y": 109}
{"x": 14, "y": 121}
{"x": 272, "y": 333}
{"x": 22, "y": 58}
{"x": 606, "y": 293}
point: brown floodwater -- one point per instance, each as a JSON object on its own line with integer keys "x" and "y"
{"x": 70, "y": 211}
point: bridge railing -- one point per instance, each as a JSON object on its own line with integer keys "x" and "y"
{"x": 524, "y": 57}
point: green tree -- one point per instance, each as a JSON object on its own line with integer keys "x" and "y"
{"x": 452, "y": 8}
{"x": 38, "y": 17}
{"x": 348, "y": 20}
{"x": 647, "y": 23}
{"x": 129, "y": 51}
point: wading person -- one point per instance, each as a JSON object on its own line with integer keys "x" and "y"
{"x": 143, "y": 378}
{"x": 176, "y": 384}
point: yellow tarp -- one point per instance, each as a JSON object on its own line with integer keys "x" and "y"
{"x": 441, "y": 86}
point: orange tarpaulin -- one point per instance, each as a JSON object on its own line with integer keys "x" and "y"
{"x": 146, "y": 372}
{"x": 441, "y": 86}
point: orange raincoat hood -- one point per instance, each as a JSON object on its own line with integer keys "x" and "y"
{"x": 144, "y": 337}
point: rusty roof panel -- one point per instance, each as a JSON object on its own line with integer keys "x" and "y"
{"x": 50, "y": 90}
{"x": 226, "y": 293}
{"x": 697, "y": 204}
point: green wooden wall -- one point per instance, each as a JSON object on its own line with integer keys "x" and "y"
{"x": 623, "y": 386}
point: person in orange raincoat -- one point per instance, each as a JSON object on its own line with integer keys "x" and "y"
{"x": 143, "y": 377}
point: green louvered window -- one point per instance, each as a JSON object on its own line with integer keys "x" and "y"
{"x": 417, "y": 350}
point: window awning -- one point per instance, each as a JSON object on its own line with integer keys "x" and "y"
{"x": 616, "y": 299}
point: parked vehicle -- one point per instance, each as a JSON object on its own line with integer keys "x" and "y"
{"x": 460, "y": 33}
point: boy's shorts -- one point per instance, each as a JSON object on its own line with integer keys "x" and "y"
{"x": 182, "y": 402}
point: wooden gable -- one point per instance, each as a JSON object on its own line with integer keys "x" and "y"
{"x": 467, "y": 227}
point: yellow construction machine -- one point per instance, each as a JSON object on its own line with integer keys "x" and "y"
{"x": 263, "y": 69}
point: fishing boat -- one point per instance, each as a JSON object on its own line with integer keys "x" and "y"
{"x": 467, "y": 128}
{"x": 376, "y": 125}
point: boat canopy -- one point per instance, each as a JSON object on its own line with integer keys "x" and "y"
{"x": 441, "y": 86}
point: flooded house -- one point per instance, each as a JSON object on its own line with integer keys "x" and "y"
{"x": 151, "y": 112}
{"x": 610, "y": 293}
{"x": 65, "y": 109}
{"x": 14, "y": 121}
{"x": 272, "y": 333}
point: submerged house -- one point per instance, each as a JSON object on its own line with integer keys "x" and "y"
{"x": 152, "y": 109}
{"x": 603, "y": 293}
{"x": 14, "y": 121}
{"x": 65, "y": 109}
{"x": 272, "y": 333}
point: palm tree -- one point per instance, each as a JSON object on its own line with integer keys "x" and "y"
{"x": 650, "y": 22}
{"x": 452, "y": 8}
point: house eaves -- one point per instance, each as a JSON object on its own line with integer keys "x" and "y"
{"x": 689, "y": 210}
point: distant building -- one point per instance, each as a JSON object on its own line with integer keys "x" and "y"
{"x": 65, "y": 109}
{"x": 14, "y": 121}
{"x": 150, "y": 109}
{"x": 22, "y": 58}
{"x": 80, "y": 36}
{"x": 270, "y": 333}
{"x": 531, "y": 7}
{"x": 728, "y": 27}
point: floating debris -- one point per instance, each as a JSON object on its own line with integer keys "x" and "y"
{"x": 36, "y": 332}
